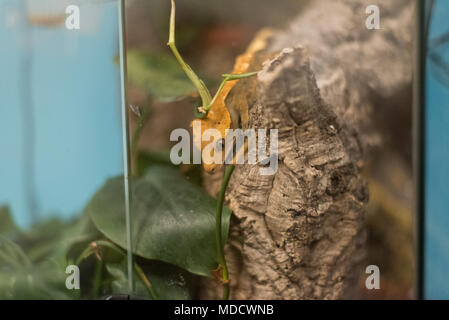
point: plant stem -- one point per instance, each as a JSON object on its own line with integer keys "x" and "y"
{"x": 137, "y": 268}
{"x": 86, "y": 252}
{"x": 90, "y": 250}
{"x": 220, "y": 246}
{"x": 197, "y": 82}
{"x": 145, "y": 281}
{"x": 226, "y": 78}
{"x": 97, "y": 279}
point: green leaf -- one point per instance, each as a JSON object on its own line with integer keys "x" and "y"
{"x": 119, "y": 285}
{"x": 147, "y": 158}
{"x": 20, "y": 279}
{"x": 33, "y": 262}
{"x": 11, "y": 255}
{"x": 7, "y": 225}
{"x": 173, "y": 219}
{"x": 159, "y": 74}
{"x": 54, "y": 238}
{"x": 168, "y": 282}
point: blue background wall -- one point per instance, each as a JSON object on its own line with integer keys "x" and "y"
{"x": 61, "y": 142}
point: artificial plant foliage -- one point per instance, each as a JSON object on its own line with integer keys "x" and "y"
{"x": 158, "y": 74}
{"x": 173, "y": 219}
{"x": 7, "y": 225}
{"x": 33, "y": 266}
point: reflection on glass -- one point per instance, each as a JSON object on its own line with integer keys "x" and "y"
{"x": 60, "y": 115}
{"x": 60, "y": 137}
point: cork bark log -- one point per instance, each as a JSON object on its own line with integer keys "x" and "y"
{"x": 299, "y": 234}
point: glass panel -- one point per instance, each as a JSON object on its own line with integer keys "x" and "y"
{"x": 210, "y": 36}
{"x": 60, "y": 142}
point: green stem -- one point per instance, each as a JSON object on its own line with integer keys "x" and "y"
{"x": 197, "y": 82}
{"x": 97, "y": 279}
{"x": 238, "y": 76}
{"x": 89, "y": 250}
{"x": 218, "y": 231}
{"x": 145, "y": 281}
{"x": 226, "y": 78}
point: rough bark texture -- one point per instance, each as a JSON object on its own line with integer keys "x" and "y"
{"x": 299, "y": 234}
